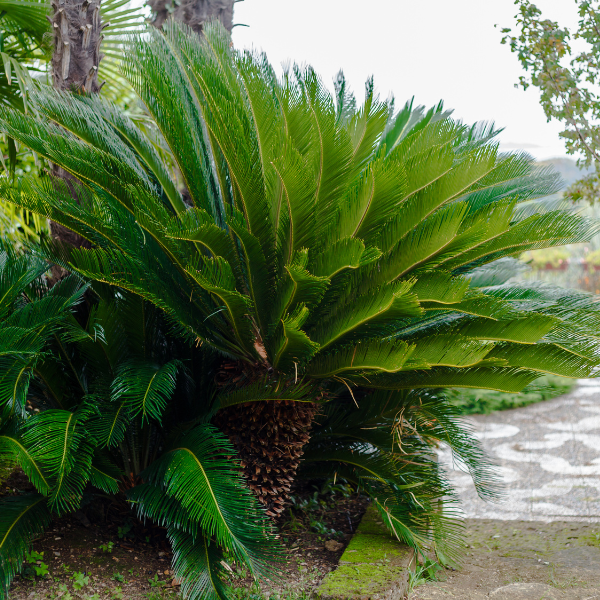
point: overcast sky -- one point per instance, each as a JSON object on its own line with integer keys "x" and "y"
{"x": 432, "y": 49}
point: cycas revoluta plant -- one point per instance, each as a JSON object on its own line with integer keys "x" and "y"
{"x": 104, "y": 398}
{"x": 29, "y": 317}
{"x": 323, "y": 258}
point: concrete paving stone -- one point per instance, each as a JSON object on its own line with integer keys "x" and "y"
{"x": 527, "y": 591}
{"x": 548, "y": 456}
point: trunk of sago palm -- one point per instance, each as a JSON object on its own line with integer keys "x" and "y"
{"x": 269, "y": 437}
{"x": 77, "y": 28}
{"x": 193, "y": 12}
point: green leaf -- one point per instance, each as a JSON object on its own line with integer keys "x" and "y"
{"x": 266, "y": 391}
{"x": 22, "y": 519}
{"x": 12, "y": 156}
{"x": 377, "y": 309}
{"x": 292, "y": 346}
{"x": 58, "y": 442}
{"x": 142, "y": 388}
{"x": 198, "y": 475}
{"x": 197, "y": 563}
{"x": 365, "y": 357}
{"x": 105, "y": 475}
{"x": 13, "y": 451}
{"x": 349, "y": 253}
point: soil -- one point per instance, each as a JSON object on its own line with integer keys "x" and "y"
{"x": 563, "y": 558}
{"x": 559, "y": 560}
{"x": 314, "y": 533}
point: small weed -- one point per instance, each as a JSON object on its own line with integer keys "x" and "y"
{"x": 93, "y": 597}
{"x": 61, "y": 592}
{"x": 423, "y": 573}
{"x": 64, "y": 593}
{"x": 80, "y": 580}
{"x": 320, "y": 528}
{"x": 35, "y": 565}
{"x": 307, "y": 513}
{"x": 156, "y": 582}
{"x": 118, "y": 577}
{"x": 431, "y": 569}
{"x": 117, "y": 594}
{"x": 124, "y": 531}
{"x": 254, "y": 593}
{"x": 107, "y": 548}
{"x": 552, "y": 580}
{"x": 246, "y": 594}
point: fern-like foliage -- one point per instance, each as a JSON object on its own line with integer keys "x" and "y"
{"x": 343, "y": 253}
{"x": 107, "y": 398}
{"x": 386, "y": 447}
{"x": 30, "y": 317}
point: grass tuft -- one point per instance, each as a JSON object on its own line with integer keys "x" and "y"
{"x": 473, "y": 401}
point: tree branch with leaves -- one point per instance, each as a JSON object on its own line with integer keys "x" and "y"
{"x": 567, "y": 79}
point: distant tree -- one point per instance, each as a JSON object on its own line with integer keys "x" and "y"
{"x": 567, "y": 80}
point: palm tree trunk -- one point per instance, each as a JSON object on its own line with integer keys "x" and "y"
{"x": 77, "y": 27}
{"x": 193, "y": 12}
{"x": 269, "y": 438}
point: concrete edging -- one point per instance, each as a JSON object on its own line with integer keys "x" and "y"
{"x": 374, "y": 566}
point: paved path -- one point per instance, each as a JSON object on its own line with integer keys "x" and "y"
{"x": 549, "y": 457}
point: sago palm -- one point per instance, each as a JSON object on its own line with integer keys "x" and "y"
{"x": 325, "y": 257}
{"x": 103, "y": 398}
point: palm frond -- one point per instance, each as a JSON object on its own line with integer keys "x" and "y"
{"x": 22, "y": 519}
{"x": 197, "y": 475}
{"x": 58, "y": 442}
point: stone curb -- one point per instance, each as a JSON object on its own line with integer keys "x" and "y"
{"x": 374, "y": 566}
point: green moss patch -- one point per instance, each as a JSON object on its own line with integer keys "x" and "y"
{"x": 373, "y": 565}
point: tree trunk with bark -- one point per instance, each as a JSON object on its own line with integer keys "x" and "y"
{"x": 193, "y": 12}
{"x": 269, "y": 438}
{"x": 77, "y": 27}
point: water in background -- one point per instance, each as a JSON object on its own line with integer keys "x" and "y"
{"x": 575, "y": 276}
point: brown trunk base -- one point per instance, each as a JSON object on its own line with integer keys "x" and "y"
{"x": 269, "y": 438}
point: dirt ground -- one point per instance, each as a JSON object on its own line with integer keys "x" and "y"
{"x": 102, "y": 553}
{"x": 563, "y": 558}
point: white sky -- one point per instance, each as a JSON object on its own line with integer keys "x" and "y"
{"x": 432, "y": 49}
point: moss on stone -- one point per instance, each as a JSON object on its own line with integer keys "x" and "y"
{"x": 358, "y": 580}
{"x": 368, "y": 548}
{"x": 373, "y": 565}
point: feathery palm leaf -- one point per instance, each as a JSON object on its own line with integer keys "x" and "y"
{"x": 22, "y": 518}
